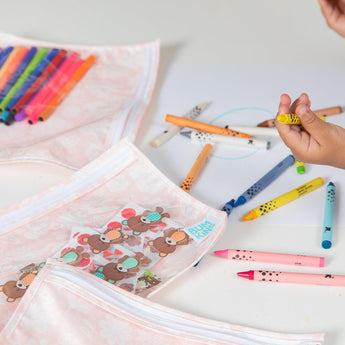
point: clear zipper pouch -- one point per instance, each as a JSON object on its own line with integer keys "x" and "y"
{"x": 107, "y": 104}
{"x": 68, "y": 306}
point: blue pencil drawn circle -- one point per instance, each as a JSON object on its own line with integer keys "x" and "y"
{"x": 236, "y": 110}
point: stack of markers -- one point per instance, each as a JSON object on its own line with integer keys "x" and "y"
{"x": 34, "y": 81}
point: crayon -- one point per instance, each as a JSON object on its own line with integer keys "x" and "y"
{"x": 325, "y": 112}
{"x": 205, "y": 127}
{"x": 293, "y": 119}
{"x": 300, "y": 167}
{"x": 36, "y": 104}
{"x": 196, "y": 168}
{"x": 43, "y": 77}
{"x": 172, "y": 130}
{"x": 284, "y": 199}
{"x": 4, "y": 55}
{"x": 78, "y": 74}
{"x": 11, "y": 65}
{"x": 265, "y": 131}
{"x": 28, "y": 70}
{"x": 273, "y": 258}
{"x": 269, "y": 177}
{"x": 327, "y": 230}
{"x": 225, "y": 139}
{"x": 292, "y": 277}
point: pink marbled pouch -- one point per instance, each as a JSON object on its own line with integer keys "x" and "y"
{"x": 108, "y": 104}
{"x": 113, "y": 198}
{"x": 67, "y": 306}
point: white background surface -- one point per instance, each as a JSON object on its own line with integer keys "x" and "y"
{"x": 208, "y": 32}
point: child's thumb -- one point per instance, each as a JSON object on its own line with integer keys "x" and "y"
{"x": 310, "y": 122}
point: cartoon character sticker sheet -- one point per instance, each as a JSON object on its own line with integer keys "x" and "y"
{"x": 123, "y": 252}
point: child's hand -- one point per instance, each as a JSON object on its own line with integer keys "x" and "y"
{"x": 334, "y": 12}
{"x": 315, "y": 141}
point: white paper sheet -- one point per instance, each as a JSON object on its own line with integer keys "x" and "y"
{"x": 247, "y": 95}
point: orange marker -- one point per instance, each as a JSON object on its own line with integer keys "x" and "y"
{"x": 76, "y": 76}
{"x": 196, "y": 168}
{"x": 11, "y": 64}
{"x": 205, "y": 127}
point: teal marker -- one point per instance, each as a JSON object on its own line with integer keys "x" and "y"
{"x": 327, "y": 230}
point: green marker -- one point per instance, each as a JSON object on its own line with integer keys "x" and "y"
{"x": 28, "y": 70}
{"x": 300, "y": 166}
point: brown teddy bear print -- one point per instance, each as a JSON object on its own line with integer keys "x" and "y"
{"x": 167, "y": 244}
{"x": 144, "y": 221}
{"x": 101, "y": 242}
{"x": 75, "y": 256}
{"x": 115, "y": 271}
{"x": 14, "y": 289}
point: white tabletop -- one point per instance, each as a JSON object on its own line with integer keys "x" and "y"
{"x": 203, "y": 32}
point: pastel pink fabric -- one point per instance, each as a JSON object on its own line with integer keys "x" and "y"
{"x": 62, "y": 307}
{"x": 37, "y": 228}
{"x": 109, "y": 103}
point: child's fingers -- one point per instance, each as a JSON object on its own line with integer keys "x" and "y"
{"x": 288, "y": 133}
{"x": 303, "y": 99}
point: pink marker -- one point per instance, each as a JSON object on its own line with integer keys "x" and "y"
{"x": 292, "y": 277}
{"x": 57, "y": 87}
{"x": 37, "y": 104}
{"x": 275, "y": 258}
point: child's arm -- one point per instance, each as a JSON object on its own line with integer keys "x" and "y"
{"x": 315, "y": 141}
{"x": 334, "y": 12}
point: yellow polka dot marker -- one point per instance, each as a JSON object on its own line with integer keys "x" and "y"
{"x": 293, "y": 119}
{"x": 284, "y": 199}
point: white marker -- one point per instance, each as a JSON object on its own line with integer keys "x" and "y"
{"x": 266, "y": 131}
{"x": 173, "y": 129}
{"x": 216, "y": 138}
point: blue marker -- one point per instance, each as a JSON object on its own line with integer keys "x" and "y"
{"x": 18, "y": 72}
{"x": 7, "y": 116}
{"x": 265, "y": 180}
{"x": 327, "y": 231}
{"x": 4, "y": 55}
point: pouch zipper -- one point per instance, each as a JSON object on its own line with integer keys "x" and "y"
{"x": 168, "y": 320}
